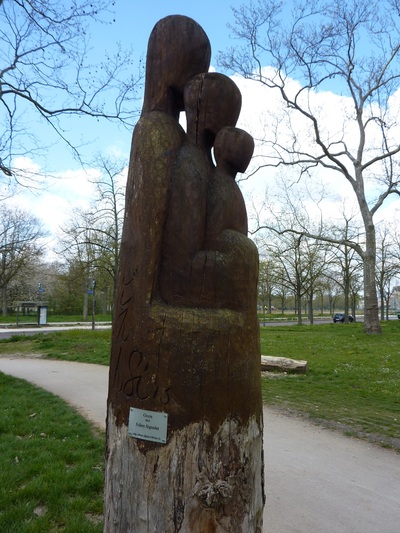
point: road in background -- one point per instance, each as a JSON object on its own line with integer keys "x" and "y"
{"x": 7, "y": 331}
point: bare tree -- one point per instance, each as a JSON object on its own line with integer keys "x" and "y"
{"x": 347, "y": 258}
{"x": 47, "y": 75}
{"x": 387, "y": 268}
{"x": 293, "y": 231}
{"x": 76, "y": 249}
{"x": 107, "y": 215}
{"x": 298, "y": 264}
{"x": 20, "y": 246}
{"x": 283, "y": 291}
{"x": 93, "y": 236}
{"x": 266, "y": 283}
{"x": 322, "y": 289}
{"x": 356, "y": 289}
{"x": 350, "y": 48}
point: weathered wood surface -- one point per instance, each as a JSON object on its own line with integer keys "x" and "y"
{"x": 185, "y": 337}
{"x": 202, "y": 480}
{"x": 270, "y": 363}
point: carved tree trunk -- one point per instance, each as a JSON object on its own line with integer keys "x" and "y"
{"x": 185, "y": 341}
{"x": 209, "y": 474}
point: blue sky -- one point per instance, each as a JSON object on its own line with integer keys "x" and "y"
{"x": 134, "y": 21}
{"x": 132, "y": 26}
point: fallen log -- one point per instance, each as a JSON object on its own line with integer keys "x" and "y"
{"x": 270, "y": 363}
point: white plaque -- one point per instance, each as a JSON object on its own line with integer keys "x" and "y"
{"x": 148, "y": 425}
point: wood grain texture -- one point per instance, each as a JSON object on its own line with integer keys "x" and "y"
{"x": 185, "y": 337}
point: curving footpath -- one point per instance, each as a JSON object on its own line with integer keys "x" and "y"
{"x": 317, "y": 481}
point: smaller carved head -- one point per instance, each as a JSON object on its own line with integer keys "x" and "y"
{"x": 212, "y": 101}
{"x": 233, "y": 150}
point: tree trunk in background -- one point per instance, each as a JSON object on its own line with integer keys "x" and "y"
{"x": 372, "y": 323}
{"x": 4, "y": 300}
{"x": 85, "y": 310}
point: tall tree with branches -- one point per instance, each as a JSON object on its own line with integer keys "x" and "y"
{"x": 47, "y": 74}
{"x": 388, "y": 267}
{"x": 20, "y": 245}
{"x": 94, "y": 235}
{"x": 350, "y": 49}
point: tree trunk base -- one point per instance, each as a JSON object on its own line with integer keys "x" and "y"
{"x": 198, "y": 481}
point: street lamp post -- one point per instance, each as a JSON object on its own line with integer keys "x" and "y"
{"x": 93, "y": 301}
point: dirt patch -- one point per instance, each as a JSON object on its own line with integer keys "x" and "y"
{"x": 350, "y": 430}
{"x": 18, "y": 355}
{"x": 359, "y": 433}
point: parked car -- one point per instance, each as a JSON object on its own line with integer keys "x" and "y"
{"x": 339, "y": 317}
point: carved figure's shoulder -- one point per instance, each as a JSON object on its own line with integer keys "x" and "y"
{"x": 158, "y": 130}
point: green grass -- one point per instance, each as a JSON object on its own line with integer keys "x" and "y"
{"x": 85, "y": 346}
{"x": 52, "y": 318}
{"x": 51, "y": 476}
{"x": 353, "y": 379}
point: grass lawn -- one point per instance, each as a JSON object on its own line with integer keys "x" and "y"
{"x": 52, "y": 318}
{"x": 353, "y": 379}
{"x": 51, "y": 476}
{"x": 85, "y": 346}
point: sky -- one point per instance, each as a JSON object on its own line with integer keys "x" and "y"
{"x": 134, "y": 21}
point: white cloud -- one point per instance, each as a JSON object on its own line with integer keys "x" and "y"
{"x": 264, "y": 114}
{"x": 55, "y": 201}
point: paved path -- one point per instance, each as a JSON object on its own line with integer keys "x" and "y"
{"x": 317, "y": 481}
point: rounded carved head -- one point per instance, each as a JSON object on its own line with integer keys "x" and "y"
{"x": 178, "y": 49}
